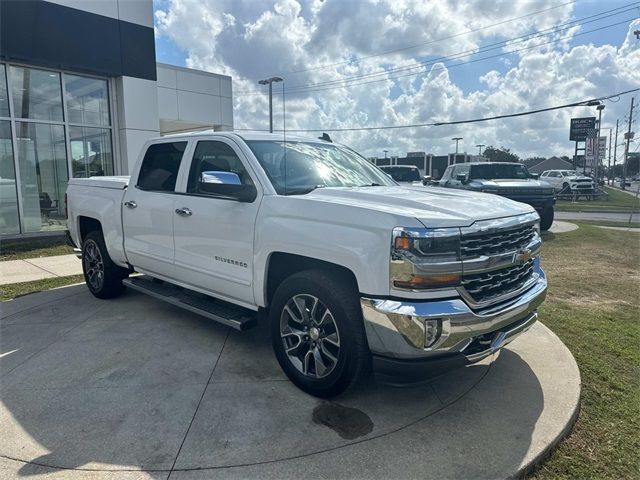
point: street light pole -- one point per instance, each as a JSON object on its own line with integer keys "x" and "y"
{"x": 456, "y": 139}
{"x": 615, "y": 152}
{"x": 480, "y": 145}
{"x": 270, "y": 81}
{"x": 385, "y": 153}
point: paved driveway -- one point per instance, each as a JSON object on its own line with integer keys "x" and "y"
{"x": 135, "y": 388}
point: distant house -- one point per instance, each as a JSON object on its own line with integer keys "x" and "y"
{"x": 553, "y": 163}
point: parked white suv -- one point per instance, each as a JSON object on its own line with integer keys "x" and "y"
{"x": 569, "y": 181}
{"x": 353, "y": 271}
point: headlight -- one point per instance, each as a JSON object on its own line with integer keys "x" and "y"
{"x": 425, "y": 258}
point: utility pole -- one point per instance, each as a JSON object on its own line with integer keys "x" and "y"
{"x": 609, "y": 163}
{"x": 385, "y": 153}
{"x": 480, "y": 145}
{"x": 270, "y": 81}
{"x": 597, "y": 160}
{"x": 456, "y": 139}
{"x": 615, "y": 152}
{"x": 626, "y": 147}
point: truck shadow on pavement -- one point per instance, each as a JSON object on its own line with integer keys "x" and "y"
{"x": 135, "y": 384}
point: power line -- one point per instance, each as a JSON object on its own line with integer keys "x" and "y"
{"x": 581, "y": 103}
{"x": 485, "y": 48}
{"x": 385, "y": 74}
{"x": 443, "y": 67}
{"x": 365, "y": 57}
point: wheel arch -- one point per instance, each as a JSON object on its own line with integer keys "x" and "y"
{"x": 281, "y": 265}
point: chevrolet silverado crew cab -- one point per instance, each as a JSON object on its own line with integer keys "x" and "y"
{"x": 353, "y": 272}
{"x": 511, "y": 180}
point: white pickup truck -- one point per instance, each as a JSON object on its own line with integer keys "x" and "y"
{"x": 353, "y": 272}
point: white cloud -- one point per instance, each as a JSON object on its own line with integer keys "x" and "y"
{"x": 249, "y": 39}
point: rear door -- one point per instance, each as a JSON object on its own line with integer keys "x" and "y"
{"x": 214, "y": 233}
{"x": 147, "y": 212}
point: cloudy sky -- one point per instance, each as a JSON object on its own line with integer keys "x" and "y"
{"x": 362, "y": 63}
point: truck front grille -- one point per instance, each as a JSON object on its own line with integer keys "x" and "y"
{"x": 503, "y": 241}
{"x": 487, "y": 286}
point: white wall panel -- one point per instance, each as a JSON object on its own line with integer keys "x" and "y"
{"x": 226, "y": 111}
{"x": 199, "y": 108}
{"x": 137, "y": 103}
{"x": 136, "y": 11}
{"x": 168, "y": 103}
{"x": 167, "y": 77}
{"x": 225, "y": 87}
{"x": 197, "y": 82}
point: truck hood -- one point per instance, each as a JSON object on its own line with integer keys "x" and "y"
{"x": 432, "y": 206}
{"x": 509, "y": 183}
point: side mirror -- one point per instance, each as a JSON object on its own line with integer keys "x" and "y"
{"x": 226, "y": 185}
{"x": 426, "y": 180}
{"x": 535, "y": 176}
{"x": 462, "y": 177}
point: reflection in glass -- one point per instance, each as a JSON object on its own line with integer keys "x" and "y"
{"x": 87, "y": 100}
{"x": 4, "y": 97}
{"x": 90, "y": 151}
{"x": 43, "y": 175}
{"x": 36, "y": 94}
{"x": 8, "y": 193}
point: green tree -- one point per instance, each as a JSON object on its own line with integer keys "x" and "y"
{"x": 500, "y": 154}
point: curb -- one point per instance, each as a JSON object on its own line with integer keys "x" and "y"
{"x": 535, "y": 463}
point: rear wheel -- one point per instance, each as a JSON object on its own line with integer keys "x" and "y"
{"x": 318, "y": 334}
{"x": 546, "y": 219}
{"x": 103, "y": 277}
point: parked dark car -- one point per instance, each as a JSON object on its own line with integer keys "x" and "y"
{"x": 511, "y": 180}
{"x": 405, "y": 174}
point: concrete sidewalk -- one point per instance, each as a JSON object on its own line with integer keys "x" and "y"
{"x": 17, "y": 271}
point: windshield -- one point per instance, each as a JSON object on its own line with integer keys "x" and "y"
{"x": 493, "y": 171}
{"x": 311, "y": 165}
{"x": 402, "y": 174}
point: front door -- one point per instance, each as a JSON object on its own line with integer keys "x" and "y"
{"x": 213, "y": 234}
{"x": 147, "y": 213}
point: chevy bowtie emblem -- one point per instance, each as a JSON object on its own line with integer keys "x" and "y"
{"x": 522, "y": 256}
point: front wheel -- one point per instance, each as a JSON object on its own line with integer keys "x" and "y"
{"x": 103, "y": 277}
{"x": 318, "y": 334}
{"x": 546, "y": 219}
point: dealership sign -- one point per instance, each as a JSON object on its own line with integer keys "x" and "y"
{"x": 580, "y": 128}
{"x": 591, "y": 150}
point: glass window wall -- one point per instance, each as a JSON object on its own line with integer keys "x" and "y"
{"x": 36, "y": 94}
{"x": 59, "y": 123}
{"x": 42, "y": 159}
{"x": 9, "y": 222}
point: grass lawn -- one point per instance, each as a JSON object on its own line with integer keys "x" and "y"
{"x": 593, "y": 305}
{"x": 42, "y": 247}
{"x": 14, "y": 290}
{"x": 609, "y": 223}
{"x": 617, "y": 201}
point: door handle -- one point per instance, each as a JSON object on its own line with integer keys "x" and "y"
{"x": 130, "y": 204}
{"x": 184, "y": 212}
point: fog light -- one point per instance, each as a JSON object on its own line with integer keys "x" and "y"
{"x": 432, "y": 332}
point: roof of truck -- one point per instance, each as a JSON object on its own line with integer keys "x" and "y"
{"x": 249, "y": 135}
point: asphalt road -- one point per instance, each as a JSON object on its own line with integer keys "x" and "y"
{"x": 615, "y": 217}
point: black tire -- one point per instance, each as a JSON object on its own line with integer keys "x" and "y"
{"x": 102, "y": 276}
{"x": 341, "y": 299}
{"x": 546, "y": 219}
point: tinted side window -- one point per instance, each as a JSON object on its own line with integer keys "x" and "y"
{"x": 462, "y": 169}
{"x": 159, "y": 169}
{"x": 212, "y": 156}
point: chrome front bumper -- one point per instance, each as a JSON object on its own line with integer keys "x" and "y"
{"x": 396, "y": 329}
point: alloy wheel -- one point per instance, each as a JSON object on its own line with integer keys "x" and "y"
{"x": 93, "y": 265}
{"x": 310, "y": 336}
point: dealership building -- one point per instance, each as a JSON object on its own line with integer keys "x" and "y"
{"x": 80, "y": 93}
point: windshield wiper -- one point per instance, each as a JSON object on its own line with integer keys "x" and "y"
{"x": 372, "y": 184}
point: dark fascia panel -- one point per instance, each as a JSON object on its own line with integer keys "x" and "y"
{"x": 51, "y": 35}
